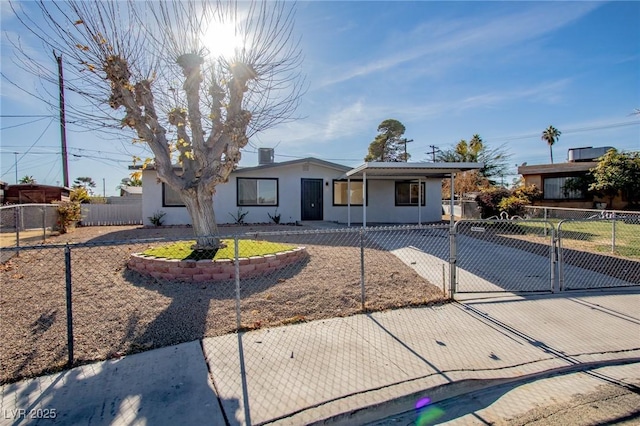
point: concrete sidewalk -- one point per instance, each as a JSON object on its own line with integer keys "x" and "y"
{"x": 342, "y": 369}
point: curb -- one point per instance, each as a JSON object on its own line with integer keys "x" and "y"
{"x": 406, "y": 403}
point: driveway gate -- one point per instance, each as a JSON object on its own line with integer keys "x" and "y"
{"x": 599, "y": 252}
{"x": 503, "y": 255}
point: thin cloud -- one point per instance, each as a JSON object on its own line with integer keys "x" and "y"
{"x": 470, "y": 37}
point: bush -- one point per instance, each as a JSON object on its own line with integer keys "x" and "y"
{"x": 156, "y": 219}
{"x": 79, "y": 195}
{"x": 528, "y": 194}
{"x": 489, "y": 199}
{"x": 69, "y": 212}
{"x": 512, "y": 205}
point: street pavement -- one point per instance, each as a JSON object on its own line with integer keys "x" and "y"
{"x": 352, "y": 370}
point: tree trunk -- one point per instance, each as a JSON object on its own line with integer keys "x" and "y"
{"x": 199, "y": 203}
{"x": 551, "y": 153}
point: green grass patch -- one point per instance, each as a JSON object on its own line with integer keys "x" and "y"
{"x": 246, "y": 248}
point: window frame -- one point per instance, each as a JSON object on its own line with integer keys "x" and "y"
{"x": 257, "y": 179}
{"x": 333, "y": 194}
{"x": 164, "y": 197}
{"x": 424, "y": 193}
{"x": 582, "y": 195}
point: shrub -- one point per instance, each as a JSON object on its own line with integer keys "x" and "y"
{"x": 528, "y": 194}
{"x": 69, "y": 212}
{"x": 513, "y": 205}
{"x": 275, "y": 218}
{"x": 156, "y": 219}
{"x": 239, "y": 217}
{"x": 79, "y": 195}
{"x": 488, "y": 201}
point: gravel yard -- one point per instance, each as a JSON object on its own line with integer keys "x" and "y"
{"x": 117, "y": 311}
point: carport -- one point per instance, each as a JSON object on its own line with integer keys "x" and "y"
{"x": 416, "y": 172}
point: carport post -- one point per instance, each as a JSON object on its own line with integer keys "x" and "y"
{"x": 452, "y": 245}
{"x": 364, "y": 198}
{"x": 419, "y": 201}
{"x": 348, "y": 201}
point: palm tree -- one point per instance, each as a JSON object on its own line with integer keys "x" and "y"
{"x": 551, "y": 135}
{"x": 27, "y": 179}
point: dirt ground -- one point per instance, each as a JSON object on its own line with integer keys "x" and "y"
{"x": 117, "y": 311}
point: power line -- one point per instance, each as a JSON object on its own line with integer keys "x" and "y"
{"x": 23, "y": 124}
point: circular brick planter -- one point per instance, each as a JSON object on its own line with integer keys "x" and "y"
{"x": 213, "y": 270}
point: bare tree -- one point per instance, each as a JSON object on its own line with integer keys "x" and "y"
{"x": 150, "y": 67}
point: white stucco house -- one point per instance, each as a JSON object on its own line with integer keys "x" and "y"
{"x": 311, "y": 189}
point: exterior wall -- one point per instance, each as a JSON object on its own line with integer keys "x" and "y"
{"x": 381, "y": 194}
{"x": 381, "y": 207}
{"x": 590, "y": 203}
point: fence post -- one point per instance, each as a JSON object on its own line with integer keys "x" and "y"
{"x": 44, "y": 223}
{"x": 613, "y": 232}
{"x": 452, "y": 260}
{"x": 237, "y": 274}
{"x": 67, "y": 275}
{"x": 16, "y": 215}
{"x": 362, "y": 292}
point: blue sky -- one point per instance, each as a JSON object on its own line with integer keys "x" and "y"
{"x": 446, "y": 70}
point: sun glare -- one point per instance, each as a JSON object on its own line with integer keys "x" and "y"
{"x": 222, "y": 40}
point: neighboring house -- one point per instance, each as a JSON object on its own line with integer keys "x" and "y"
{"x": 311, "y": 189}
{"x": 551, "y": 178}
{"x": 28, "y": 193}
{"x": 131, "y": 191}
{"x": 3, "y": 186}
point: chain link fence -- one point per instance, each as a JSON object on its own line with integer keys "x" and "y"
{"x": 555, "y": 214}
{"x": 504, "y": 255}
{"x": 23, "y": 224}
{"x": 599, "y": 253}
{"x": 71, "y": 304}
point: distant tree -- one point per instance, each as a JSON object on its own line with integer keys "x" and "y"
{"x": 129, "y": 181}
{"x": 85, "y": 182}
{"x": 551, "y": 135}
{"x": 495, "y": 161}
{"x": 617, "y": 173}
{"x": 27, "y": 179}
{"x": 388, "y": 145}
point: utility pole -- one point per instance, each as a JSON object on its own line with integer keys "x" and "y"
{"x": 104, "y": 188}
{"x": 405, "y": 141}
{"x": 63, "y": 130}
{"x": 16, "y": 165}
{"x": 434, "y": 149}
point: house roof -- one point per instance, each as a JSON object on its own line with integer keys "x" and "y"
{"x": 307, "y": 160}
{"x": 35, "y": 186}
{"x": 132, "y": 189}
{"x": 324, "y": 163}
{"x": 393, "y": 170}
{"x": 544, "y": 169}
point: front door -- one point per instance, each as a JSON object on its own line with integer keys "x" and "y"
{"x": 311, "y": 199}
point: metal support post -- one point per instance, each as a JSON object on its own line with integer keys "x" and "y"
{"x": 67, "y": 275}
{"x": 362, "y": 289}
{"x": 237, "y": 273}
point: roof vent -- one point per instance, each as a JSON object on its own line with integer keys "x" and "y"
{"x": 265, "y": 156}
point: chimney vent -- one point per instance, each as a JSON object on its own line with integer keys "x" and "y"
{"x": 265, "y": 156}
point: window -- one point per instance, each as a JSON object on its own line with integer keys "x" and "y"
{"x": 170, "y": 198}
{"x": 257, "y": 192}
{"x": 407, "y": 194}
{"x": 554, "y": 189}
{"x": 340, "y": 193}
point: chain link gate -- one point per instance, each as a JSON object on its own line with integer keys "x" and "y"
{"x": 599, "y": 252}
{"x": 503, "y": 256}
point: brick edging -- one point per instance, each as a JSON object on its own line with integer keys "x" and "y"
{"x": 213, "y": 270}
